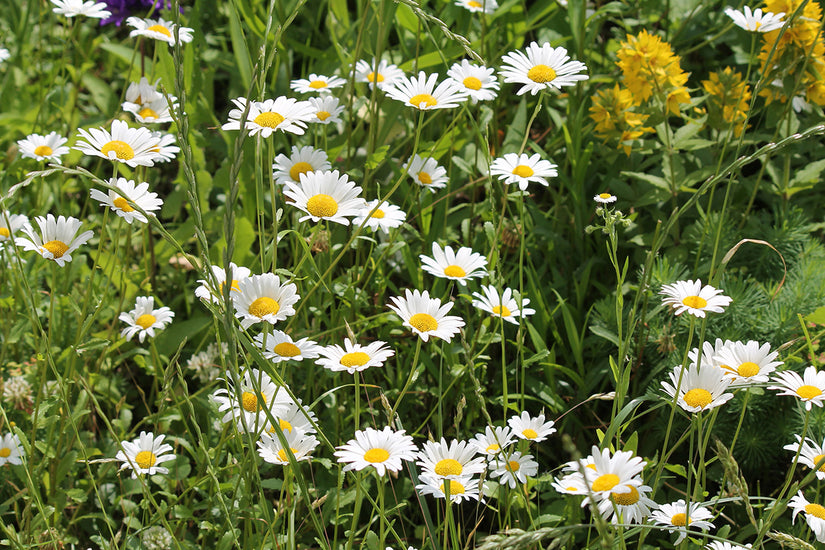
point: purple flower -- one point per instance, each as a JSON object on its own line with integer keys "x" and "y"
{"x": 121, "y": 9}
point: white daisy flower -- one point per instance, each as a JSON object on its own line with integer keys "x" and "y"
{"x": 215, "y": 295}
{"x": 4, "y": 54}
{"x": 810, "y": 454}
{"x": 72, "y": 8}
{"x": 302, "y": 160}
{"x": 605, "y": 198}
{"x": 247, "y": 400}
{"x": 265, "y": 117}
{"x": 279, "y": 346}
{"x": 327, "y": 109}
{"x": 571, "y": 484}
{"x": 630, "y": 507}
{"x": 454, "y": 460}
{"x": 59, "y": 238}
{"x": 611, "y": 474}
{"x": 521, "y": 169}
{"x": 426, "y": 316}
{"x": 421, "y": 92}
{"x": 534, "y": 429}
{"x": 810, "y": 387}
{"x": 460, "y": 488}
{"x": 678, "y": 517}
{"x": 756, "y": 21}
{"x": 720, "y": 545}
{"x": 127, "y": 195}
{"x": 514, "y": 469}
{"x": 701, "y": 388}
{"x": 10, "y": 224}
{"x": 296, "y": 418}
{"x": 159, "y": 30}
{"x": 316, "y": 83}
{"x": 387, "y": 216}
{"x": 39, "y": 147}
{"x": 814, "y": 514}
{"x": 457, "y": 266}
{"x": 272, "y": 450}
{"x": 151, "y": 112}
{"x": 138, "y": 93}
{"x": 541, "y": 68}
{"x": 694, "y": 298}
{"x": 502, "y": 305}
{"x": 144, "y": 454}
{"x": 11, "y": 451}
{"x": 144, "y": 319}
{"x": 427, "y": 173}
{"x": 710, "y": 353}
{"x": 383, "y": 450}
{"x": 477, "y": 81}
{"x": 493, "y": 441}
{"x": 747, "y": 364}
{"x": 264, "y": 298}
{"x": 165, "y": 150}
{"x": 354, "y": 357}
{"x": 132, "y": 146}
{"x": 381, "y": 74}
{"x": 325, "y": 196}
{"x": 478, "y": 6}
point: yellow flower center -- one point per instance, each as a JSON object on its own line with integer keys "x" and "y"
{"x": 5, "y": 452}
{"x": 161, "y": 29}
{"x": 474, "y": 4}
{"x": 249, "y": 402}
{"x": 697, "y": 397}
{"x": 268, "y": 119}
{"x": 591, "y": 466}
{"x": 264, "y": 306}
{"x": 146, "y": 459}
{"x": 378, "y": 214}
{"x": 57, "y": 248}
{"x": 233, "y": 286}
{"x": 605, "y": 482}
{"x": 375, "y": 77}
{"x": 541, "y": 74}
{"x": 472, "y": 82}
{"x": 355, "y": 359}
{"x": 123, "y": 204}
{"x": 494, "y": 448}
{"x": 322, "y": 115}
{"x": 4, "y": 232}
{"x": 696, "y": 302}
{"x": 285, "y": 457}
{"x": 817, "y": 458}
{"x": 322, "y": 206}
{"x": 426, "y": 99}
{"x": 530, "y": 433}
{"x": 287, "y": 349}
{"x": 425, "y": 178}
{"x": 145, "y": 321}
{"x": 805, "y": 392}
{"x": 605, "y": 195}
{"x": 424, "y": 322}
{"x": 299, "y": 168}
{"x": 376, "y": 455}
{"x": 121, "y": 149}
{"x": 680, "y": 520}
{"x": 815, "y": 510}
{"x": 748, "y": 369}
{"x": 43, "y": 151}
{"x": 146, "y": 112}
{"x": 454, "y": 271}
{"x": 756, "y": 25}
{"x": 284, "y": 425}
{"x": 456, "y": 488}
{"x": 318, "y": 84}
{"x": 513, "y": 466}
{"x": 448, "y": 467}
{"x": 502, "y": 311}
{"x": 523, "y": 171}
{"x": 626, "y": 499}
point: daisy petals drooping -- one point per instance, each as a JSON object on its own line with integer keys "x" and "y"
{"x": 814, "y": 514}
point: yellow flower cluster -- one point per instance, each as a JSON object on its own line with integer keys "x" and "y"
{"x": 728, "y": 100}
{"x": 611, "y": 110}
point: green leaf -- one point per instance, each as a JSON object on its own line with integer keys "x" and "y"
{"x": 818, "y": 316}
{"x": 655, "y": 181}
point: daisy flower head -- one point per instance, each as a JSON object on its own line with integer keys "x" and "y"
{"x": 814, "y": 514}
{"x": 521, "y": 169}
{"x": 478, "y": 6}
{"x": 810, "y": 387}
{"x": 570, "y": 484}
{"x": 710, "y": 353}
{"x": 477, "y": 81}
{"x": 295, "y": 418}
{"x": 421, "y": 92}
{"x": 534, "y": 429}
{"x": 151, "y": 112}
{"x": 286, "y": 114}
{"x": 144, "y": 455}
{"x": 4, "y": 54}
{"x": 11, "y": 451}
{"x": 493, "y": 441}
{"x": 630, "y": 507}
{"x": 89, "y": 8}
{"x": 426, "y": 316}
{"x": 377, "y": 73}
{"x": 127, "y": 196}
{"x": 50, "y": 147}
{"x": 457, "y": 266}
{"x": 678, "y": 517}
{"x": 354, "y": 357}
{"x": 264, "y": 298}
{"x": 215, "y": 294}
{"x": 10, "y": 224}
{"x": 460, "y": 488}
{"x": 611, "y": 474}
{"x": 514, "y": 469}
{"x": 701, "y": 388}
{"x": 246, "y": 401}
{"x": 142, "y": 92}
{"x": 756, "y": 21}
{"x": 694, "y": 298}
{"x": 159, "y": 29}
{"x": 605, "y": 198}
{"x": 502, "y": 305}
{"x": 327, "y": 109}
{"x": 747, "y": 364}
{"x": 811, "y": 453}
{"x": 132, "y": 146}
{"x": 385, "y": 217}
{"x": 541, "y": 68}
{"x": 279, "y": 346}
{"x": 720, "y": 545}
{"x": 325, "y": 196}
{"x": 273, "y": 451}
{"x": 383, "y": 450}
{"x": 316, "y": 83}
{"x": 165, "y": 150}
{"x": 59, "y": 238}
{"x": 453, "y": 460}
{"x": 302, "y": 160}
{"x": 144, "y": 319}
{"x": 427, "y": 173}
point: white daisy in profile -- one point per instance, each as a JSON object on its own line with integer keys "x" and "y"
{"x": 132, "y": 146}
{"x": 302, "y": 160}
{"x": 605, "y": 198}
{"x": 459, "y": 488}
{"x": 166, "y": 149}
{"x": 571, "y": 484}
{"x": 756, "y": 21}
{"x": 286, "y": 114}
{"x": 280, "y": 346}
{"x": 11, "y": 452}
{"x": 246, "y": 401}
{"x": 450, "y": 460}
{"x": 327, "y": 109}
{"x": 152, "y": 112}
{"x": 264, "y": 298}
{"x": 694, "y": 298}
{"x": 296, "y": 417}
{"x": 354, "y": 357}
{"x": 422, "y": 93}
{"x": 700, "y": 389}
{"x": 381, "y": 73}
{"x": 300, "y": 444}
{"x": 127, "y": 196}
{"x": 477, "y": 81}
{"x": 138, "y": 93}
{"x": 159, "y": 29}
{"x": 49, "y": 147}
{"x": 325, "y": 196}
{"x": 144, "y": 319}
{"x": 59, "y": 238}
{"x": 316, "y": 83}
{"x": 385, "y": 217}
{"x": 523, "y": 169}
{"x": 478, "y": 6}
{"x": 89, "y": 8}
{"x": 810, "y": 387}
{"x": 514, "y": 469}
{"x": 215, "y": 294}
{"x": 502, "y": 305}
{"x": 383, "y": 450}
{"x": 814, "y": 514}
{"x": 535, "y": 429}
{"x": 145, "y": 454}
{"x": 426, "y": 316}
{"x": 457, "y": 266}
{"x": 427, "y": 173}
{"x": 611, "y": 473}
{"x": 541, "y": 68}
{"x": 630, "y": 507}
{"x": 678, "y": 517}
{"x": 811, "y": 453}
{"x": 493, "y": 441}
{"x": 747, "y": 364}
{"x": 10, "y": 224}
